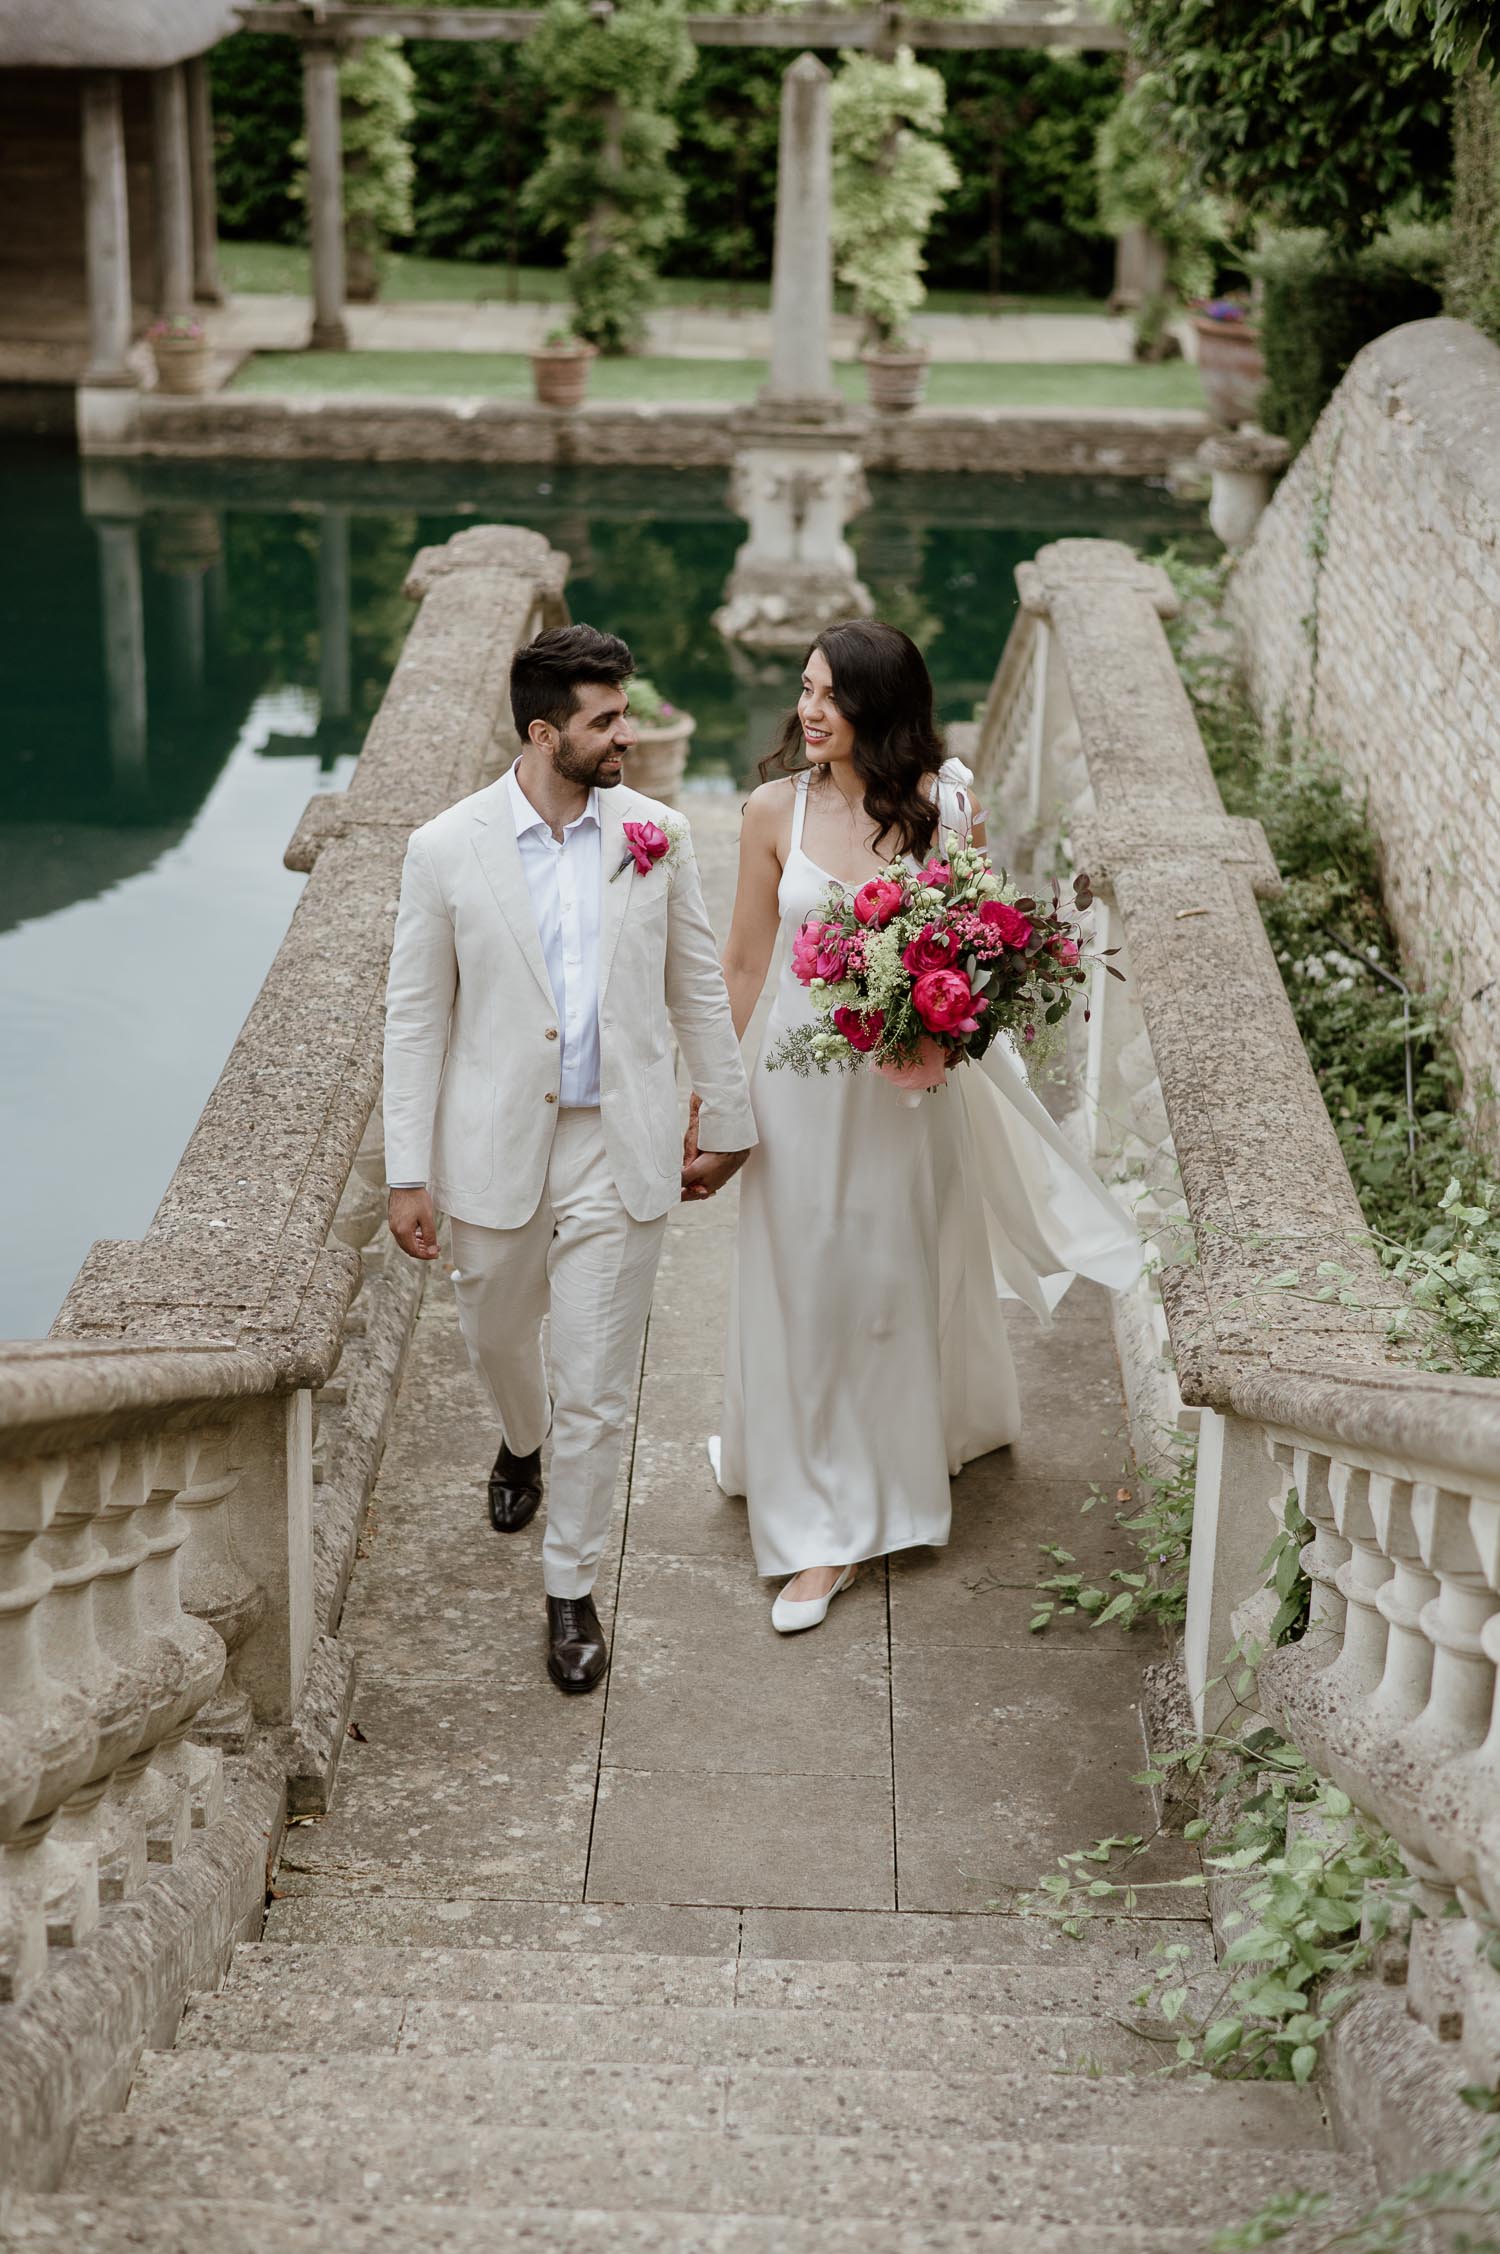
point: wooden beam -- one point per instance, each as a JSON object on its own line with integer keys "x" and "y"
{"x": 1065, "y": 23}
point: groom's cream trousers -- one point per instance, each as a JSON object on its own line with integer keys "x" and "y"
{"x": 584, "y": 1259}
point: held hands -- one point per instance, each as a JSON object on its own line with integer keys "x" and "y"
{"x": 413, "y": 1223}
{"x": 705, "y": 1172}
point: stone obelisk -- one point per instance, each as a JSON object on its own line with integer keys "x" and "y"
{"x": 797, "y": 478}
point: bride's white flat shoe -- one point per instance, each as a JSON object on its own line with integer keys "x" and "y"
{"x": 788, "y": 1617}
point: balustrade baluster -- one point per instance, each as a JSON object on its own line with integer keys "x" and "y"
{"x": 1360, "y": 1664}
{"x": 216, "y": 1588}
{"x": 1406, "y": 1679}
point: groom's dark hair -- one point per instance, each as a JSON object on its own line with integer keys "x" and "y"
{"x": 546, "y": 675}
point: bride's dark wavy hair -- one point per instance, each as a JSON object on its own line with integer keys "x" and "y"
{"x": 883, "y": 688}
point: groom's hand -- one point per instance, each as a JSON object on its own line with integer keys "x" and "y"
{"x": 708, "y": 1171}
{"x": 413, "y": 1223}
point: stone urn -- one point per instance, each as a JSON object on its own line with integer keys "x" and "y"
{"x": 659, "y": 760}
{"x": 897, "y": 377}
{"x": 1230, "y": 366}
{"x": 183, "y": 363}
{"x": 1240, "y": 465}
{"x": 560, "y": 372}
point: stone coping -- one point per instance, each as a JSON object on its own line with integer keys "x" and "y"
{"x": 1444, "y": 1424}
{"x": 110, "y": 34}
{"x": 375, "y": 426}
{"x": 1267, "y": 1189}
{"x": 236, "y": 1263}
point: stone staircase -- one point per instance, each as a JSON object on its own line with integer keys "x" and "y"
{"x": 900, "y": 2083}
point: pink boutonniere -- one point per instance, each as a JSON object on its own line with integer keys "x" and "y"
{"x": 646, "y": 843}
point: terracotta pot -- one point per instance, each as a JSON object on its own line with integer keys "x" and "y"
{"x": 897, "y": 380}
{"x": 1231, "y": 367}
{"x": 183, "y": 364}
{"x": 561, "y": 374}
{"x": 659, "y": 760}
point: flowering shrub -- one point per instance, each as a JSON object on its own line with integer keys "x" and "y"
{"x": 890, "y": 175}
{"x": 648, "y": 707}
{"x": 916, "y": 972}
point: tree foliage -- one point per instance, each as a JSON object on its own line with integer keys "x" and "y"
{"x": 605, "y": 184}
{"x": 890, "y": 174}
{"x": 1462, "y": 31}
{"x": 1303, "y": 113}
{"x": 257, "y": 97}
{"x": 1143, "y": 182}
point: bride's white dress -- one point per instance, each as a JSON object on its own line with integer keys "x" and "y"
{"x": 878, "y": 1240}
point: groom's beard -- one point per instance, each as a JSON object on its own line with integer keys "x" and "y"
{"x": 591, "y": 770}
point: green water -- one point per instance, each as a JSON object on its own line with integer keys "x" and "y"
{"x": 188, "y": 652}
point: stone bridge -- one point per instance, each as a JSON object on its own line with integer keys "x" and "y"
{"x": 324, "y": 1922}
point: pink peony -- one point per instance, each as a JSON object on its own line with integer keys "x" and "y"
{"x": 1066, "y": 950}
{"x": 805, "y": 950}
{"x": 936, "y": 873}
{"x": 946, "y": 1002}
{"x": 833, "y": 953}
{"x": 929, "y": 1071}
{"x": 932, "y": 949}
{"x": 861, "y": 1031}
{"x": 876, "y": 902}
{"x": 1008, "y": 923}
{"x": 647, "y": 843}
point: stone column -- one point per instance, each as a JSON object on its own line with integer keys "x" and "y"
{"x": 106, "y": 231}
{"x": 333, "y": 615}
{"x": 802, "y": 268}
{"x": 174, "y": 194}
{"x": 207, "y": 287}
{"x": 124, "y": 619}
{"x": 325, "y": 195}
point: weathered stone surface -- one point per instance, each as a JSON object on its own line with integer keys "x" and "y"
{"x": 563, "y": 1929}
{"x": 1403, "y": 583}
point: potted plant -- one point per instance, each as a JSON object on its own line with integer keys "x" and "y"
{"x": 890, "y": 174}
{"x": 179, "y": 346}
{"x": 1230, "y": 362}
{"x": 662, "y": 734}
{"x": 560, "y": 369}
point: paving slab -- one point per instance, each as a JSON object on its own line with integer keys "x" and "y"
{"x": 800, "y": 1840}
{"x": 873, "y": 1937}
{"x": 394, "y": 1920}
{"x": 1009, "y": 1756}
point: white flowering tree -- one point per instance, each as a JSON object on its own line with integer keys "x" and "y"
{"x": 890, "y": 175}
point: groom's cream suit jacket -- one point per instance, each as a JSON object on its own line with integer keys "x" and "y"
{"x": 472, "y": 1031}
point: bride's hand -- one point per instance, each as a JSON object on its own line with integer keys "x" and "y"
{"x": 690, "y": 1139}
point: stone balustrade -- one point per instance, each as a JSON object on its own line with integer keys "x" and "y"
{"x": 1267, "y": 1318}
{"x": 184, "y": 1463}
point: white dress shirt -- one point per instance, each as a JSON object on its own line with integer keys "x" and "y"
{"x": 564, "y": 879}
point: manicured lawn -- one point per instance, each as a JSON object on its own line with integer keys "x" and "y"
{"x": 281, "y": 270}
{"x": 728, "y": 382}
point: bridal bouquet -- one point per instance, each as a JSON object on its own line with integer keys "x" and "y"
{"x": 919, "y": 971}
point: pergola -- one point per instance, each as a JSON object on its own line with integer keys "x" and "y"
{"x": 325, "y": 28}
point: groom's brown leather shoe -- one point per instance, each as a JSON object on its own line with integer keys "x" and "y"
{"x": 578, "y": 1654}
{"x": 515, "y": 1490}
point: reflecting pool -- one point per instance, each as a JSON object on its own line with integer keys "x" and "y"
{"x": 188, "y": 651}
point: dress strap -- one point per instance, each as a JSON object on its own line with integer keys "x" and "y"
{"x": 799, "y": 808}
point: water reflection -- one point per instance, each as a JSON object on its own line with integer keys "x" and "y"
{"x": 187, "y": 651}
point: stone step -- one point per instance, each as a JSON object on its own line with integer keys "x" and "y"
{"x": 62, "y": 2224}
{"x": 435, "y": 2131}
{"x": 820, "y": 1936}
{"x": 1074, "y": 1983}
{"x": 1062, "y": 2041}
{"x": 801, "y": 2099}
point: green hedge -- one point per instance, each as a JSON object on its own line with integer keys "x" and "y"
{"x": 1020, "y": 128}
{"x": 1319, "y": 308}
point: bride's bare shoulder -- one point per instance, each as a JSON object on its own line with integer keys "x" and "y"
{"x": 768, "y": 809}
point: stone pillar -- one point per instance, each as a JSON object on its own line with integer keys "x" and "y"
{"x": 1236, "y": 1505}
{"x": 106, "y": 231}
{"x": 325, "y": 195}
{"x": 174, "y": 194}
{"x": 207, "y": 287}
{"x": 333, "y": 615}
{"x": 801, "y": 379}
{"x": 1140, "y": 269}
{"x": 124, "y": 617}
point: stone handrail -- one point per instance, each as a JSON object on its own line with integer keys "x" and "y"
{"x": 1267, "y": 1320}
{"x": 184, "y": 1463}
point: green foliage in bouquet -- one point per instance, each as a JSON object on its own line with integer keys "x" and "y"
{"x": 606, "y": 184}
{"x": 890, "y": 175}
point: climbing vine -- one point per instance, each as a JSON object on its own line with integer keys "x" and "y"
{"x": 375, "y": 88}
{"x": 890, "y": 175}
{"x": 606, "y": 184}
{"x": 1459, "y": 2197}
{"x": 1160, "y": 1521}
{"x": 1143, "y": 182}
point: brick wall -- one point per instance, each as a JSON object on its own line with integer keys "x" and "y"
{"x": 1402, "y": 475}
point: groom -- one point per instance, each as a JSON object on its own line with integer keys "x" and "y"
{"x": 551, "y": 929}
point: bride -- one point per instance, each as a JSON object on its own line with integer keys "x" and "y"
{"x": 878, "y": 1235}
